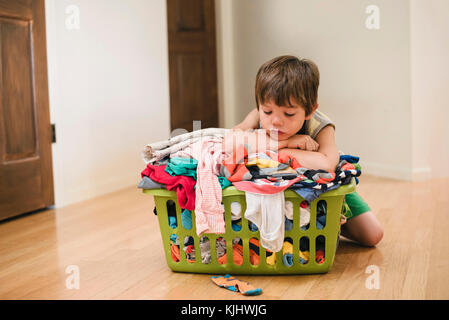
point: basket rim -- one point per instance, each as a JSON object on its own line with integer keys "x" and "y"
{"x": 232, "y": 191}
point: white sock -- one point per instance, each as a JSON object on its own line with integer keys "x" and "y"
{"x": 236, "y": 211}
{"x": 267, "y": 212}
{"x": 289, "y": 209}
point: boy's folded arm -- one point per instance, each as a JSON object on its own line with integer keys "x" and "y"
{"x": 251, "y": 121}
{"x": 311, "y": 159}
{"x": 326, "y": 158}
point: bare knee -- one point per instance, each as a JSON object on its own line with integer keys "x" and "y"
{"x": 364, "y": 229}
{"x": 373, "y": 237}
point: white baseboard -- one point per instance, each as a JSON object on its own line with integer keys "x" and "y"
{"x": 386, "y": 170}
{"x": 396, "y": 172}
{"x": 420, "y": 174}
{"x": 88, "y": 191}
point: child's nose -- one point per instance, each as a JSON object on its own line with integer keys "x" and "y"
{"x": 276, "y": 121}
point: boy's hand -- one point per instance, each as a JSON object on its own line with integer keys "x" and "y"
{"x": 303, "y": 142}
{"x": 275, "y": 145}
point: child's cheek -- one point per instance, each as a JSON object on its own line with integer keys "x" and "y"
{"x": 263, "y": 122}
{"x": 296, "y": 125}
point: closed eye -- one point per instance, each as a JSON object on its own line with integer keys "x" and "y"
{"x": 289, "y": 115}
{"x": 267, "y": 112}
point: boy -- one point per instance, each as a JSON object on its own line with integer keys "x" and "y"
{"x": 286, "y": 95}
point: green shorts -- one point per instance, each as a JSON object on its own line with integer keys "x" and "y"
{"x": 354, "y": 205}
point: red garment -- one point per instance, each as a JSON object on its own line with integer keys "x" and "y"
{"x": 184, "y": 186}
{"x": 326, "y": 180}
{"x": 319, "y": 257}
{"x": 237, "y": 251}
{"x": 175, "y": 255}
{"x": 348, "y": 166}
{"x": 288, "y": 159}
{"x": 304, "y": 204}
{"x": 235, "y": 165}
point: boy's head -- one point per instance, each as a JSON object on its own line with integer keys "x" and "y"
{"x": 286, "y": 94}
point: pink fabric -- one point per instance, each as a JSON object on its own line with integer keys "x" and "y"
{"x": 184, "y": 186}
{"x": 209, "y": 214}
{"x": 264, "y": 186}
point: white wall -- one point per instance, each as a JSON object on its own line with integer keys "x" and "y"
{"x": 224, "y": 21}
{"x": 365, "y": 85}
{"x": 109, "y": 92}
{"x": 369, "y": 78}
{"x": 430, "y": 87}
{"x": 109, "y": 96}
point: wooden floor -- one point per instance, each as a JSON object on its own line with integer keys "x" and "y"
{"x": 115, "y": 243}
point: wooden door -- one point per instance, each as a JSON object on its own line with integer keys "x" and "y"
{"x": 192, "y": 63}
{"x": 26, "y": 179}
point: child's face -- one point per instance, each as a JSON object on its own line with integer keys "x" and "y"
{"x": 284, "y": 120}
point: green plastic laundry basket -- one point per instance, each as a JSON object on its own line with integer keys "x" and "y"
{"x": 334, "y": 201}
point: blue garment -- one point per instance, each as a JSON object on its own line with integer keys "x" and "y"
{"x": 287, "y": 259}
{"x": 235, "y": 226}
{"x": 172, "y": 222}
{"x": 310, "y": 194}
{"x": 302, "y": 261}
{"x": 252, "y": 226}
{"x": 288, "y": 224}
{"x": 224, "y": 183}
{"x": 188, "y": 241}
{"x": 182, "y": 167}
{"x": 174, "y": 238}
{"x": 320, "y": 221}
{"x": 305, "y": 183}
{"x": 349, "y": 158}
{"x": 186, "y": 218}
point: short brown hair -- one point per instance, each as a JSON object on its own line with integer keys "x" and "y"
{"x": 287, "y": 76}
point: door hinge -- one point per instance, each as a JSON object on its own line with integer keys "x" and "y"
{"x": 53, "y": 133}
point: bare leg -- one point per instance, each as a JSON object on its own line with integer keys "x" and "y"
{"x": 364, "y": 229}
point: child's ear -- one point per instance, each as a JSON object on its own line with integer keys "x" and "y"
{"x": 313, "y": 111}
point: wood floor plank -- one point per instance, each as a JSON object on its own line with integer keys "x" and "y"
{"x": 115, "y": 242}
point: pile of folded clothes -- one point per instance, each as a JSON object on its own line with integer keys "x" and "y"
{"x": 196, "y": 166}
